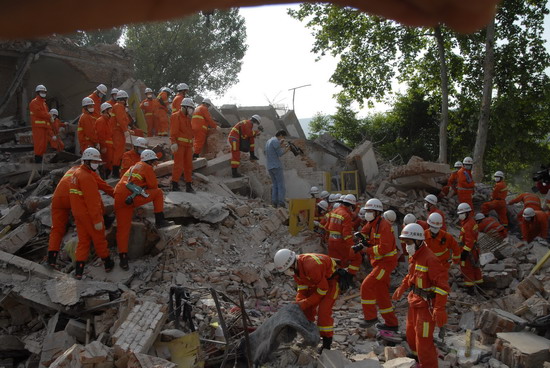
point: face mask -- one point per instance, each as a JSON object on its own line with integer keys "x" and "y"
{"x": 289, "y": 272}
{"x": 528, "y": 219}
{"x": 434, "y": 230}
{"x": 426, "y": 206}
{"x": 90, "y": 109}
{"x": 101, "y": 95}
{"x": 190, "y": 111}
{"x": 462, "y": 216}
{"x": 497, "y": 179}
{"x": 140, "y": 150}
{"x": 150, "y": 97}
{"x": 369, "y": 216}
{"x": 94, "y": 166}
{"x": 468, "y": 167}
{"x": 411, "y": 249}
{"x": 42, "y": 94}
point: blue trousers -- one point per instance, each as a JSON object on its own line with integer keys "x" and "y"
{"x": 278, "y": 188}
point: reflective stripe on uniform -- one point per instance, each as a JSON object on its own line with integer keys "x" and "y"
{"x": 235, "y": 162}
{"x": 326, "y": 328}
{"x": 204, "y": 127}
{"x": 68, "y": 175}
{"x": 421, "y": 268}
{"x": 198, "y": 117}
{"x": 368, "y": 301}
{"x": 302, "y": 287}
{"x": 386, "y": 310}
{"x": 79, "y": 129}
{"x": 353, "y": 268}
{"x": 381, "y": 274}
{"x": 184, "y": 140}
{"x": 75, "y": 191}
{"x": 440, "y": 291}
{"x": 321, "y": 291}
{"x": 148, "y": 113}
{"x": 40, "y": 122}
{"x": 441, "y": 253}
{"x": 315, "y": 258}
{"x": 425, "y": 329}
{"x": 109, "y": 142}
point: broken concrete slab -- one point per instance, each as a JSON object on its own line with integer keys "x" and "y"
{"x": 400, "y": 363}
{"x": 13, "y": 217}
{"x": 493, "y": 321}
{"x": 69, "y": 358}
{"x": 332, "y": 359}
{"x": 529, "y": 287}
{"x": 219, "y": 166}
{"x": 165, "y": 168}
{"x": 55, "y": 345}
{"x": 77, "y": 330}
{"x": 17, "y": 238}
{"x": 69, "y": 291}
{"x": 236, "y": 184}
{"x": 521, "y": 349}
{"x": 116, "y": 276}
{"x": 202, "y": 206}
{"x": 365, "y": 160}
{"x": 95, "y": 353}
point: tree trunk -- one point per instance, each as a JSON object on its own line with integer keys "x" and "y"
{"x": 444, "y": 97}
{"x": 484, "y": 115}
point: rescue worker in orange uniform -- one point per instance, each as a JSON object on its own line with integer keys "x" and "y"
{"x": 241, "y": 138}
{"x": 97, "y": 96}
{"x": 202, "y": 121}
{"x": 87, "y": 210}
{"x": 451, "y": 182}
{"x": 469, "y": 257}
{"x": 408, "y": 219}
{"x": 440, "y": 242}
{"x": 490, "y": 225}
{"x": 112, "y": 100}
{"x": 529, "y": 200}
{"x": 534, "y": 224}
{"x": 143, "y": 175}
{"x": 181, "y": 136}
{"x": 39, "y": 122}
{"x": 132, "y": 157}
{"x": 162, "y": 111}
{"x": 104, "y": 128}
{"x": 120, "y": 121}
{"x": 61, "y": 209}
{"x": 86, "y": 131}
{"x": 56, "y": 127}
{"x": 381, "y": 249}
{"x": 466, "y": 185}
{"x": 148, "y": 106}
{"x": 428, "y": 281}
{"x": 181, "y": 93}
{"x": 316, "y": 285}
{"x": 498, "y": 199}
{"x": 430, "y": 205}
{"x": 321, "y": 224}
{"x": 340, "y": 236}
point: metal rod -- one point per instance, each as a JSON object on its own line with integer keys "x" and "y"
{"x": 245, "y": 327}
{"x": 222, "y": 323}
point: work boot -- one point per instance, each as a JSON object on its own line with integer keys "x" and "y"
{"x": 108, "y": 264}
{"x": 79, "y": 270}
{"x": 52, "y": 258}
{"x": 123, "y": 261}
{"x": 108, "y": 221}
{"x": 327, "y": 342}
{"x": 366, "y": 323}
{"x": 235, "y": 173}
{"x": 189, "y": 188}
{"x": 195, "y": 155}
{"x": 253, "y": 157}
{"x": 37, "y": 159}
{"x": 116, "y": 172}
{"x": 160, "y": 221}
{"x": 175, "y": 186}
{"x": 471, "y": 290}
{"x": 383, "y": 326}
{"x": 107, "y": 173}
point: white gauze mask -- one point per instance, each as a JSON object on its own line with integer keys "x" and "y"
{"x": 462, "y": 216}
{"x": 411, "y": 249}
{"x": 369, "y": 216}
{"x": 434, "y": 230}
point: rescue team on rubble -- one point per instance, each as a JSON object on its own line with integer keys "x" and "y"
{"x": 352, "y": 232}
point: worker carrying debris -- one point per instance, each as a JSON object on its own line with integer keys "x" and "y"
{"x": 137, "y": 187}
{"x": 469, "y": 257}
{"x": 148, "y": 107}
{"x": 534, "y": 224}
{"x": 440, "y": 242}
{"x": 104, "y": 130}
{"x": 201, "y": 123}
{"x": 98, "y": 97}
{"x": 86, "y": 131}
{"x": 490, "y": 225}
{"x": 465, "y": 182}
{"x": 317, "y": 285}
{"x": 241, "y": 138}
{"x": 87, "y": 209}
{"x": 181, "y": 136}
{"x": 121, "y": 120}
{"x": 498, "y": 199}
{"x": 450, "y": 188}
{"x": 428, "y": 281}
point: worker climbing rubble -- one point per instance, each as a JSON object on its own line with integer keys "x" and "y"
{"x": 241, "y": 139}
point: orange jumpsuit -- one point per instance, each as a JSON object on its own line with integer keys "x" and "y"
{"x": 317, "y": 289}
{"x": 465, "y": 186}
{"x": 444, "y": 246}
{"x": 538, "y": 226}
{"x": 104, "y": 128}
{"x": 61, "y": 206}
{"x": 240, "y": 131}
{"x": 143, "y": 175}
{"x": 148, "y": 107}
{"x": 498, "y": 202}
{"x": 40, "y": 118}
{"x": 491, "y": 224}
{"x": 86, "y": 131}
{"x": 383, "y": 258}
{"x": 58, "y": 144}
{"x": 182, "y": 134}
{"x": 176, "y": 102}
{"x": 112, "y": 102}
{"x": 161, "y": 114}
{"x": 120, "y": 121}
{"x": 451, "y": 183}
{"x": 201, "y": 121}
{"x": 97, "y": 105}
{"x": 429, "y": 281}
{"x": 470, "y": 267}
{"x": 340, "y": 239}
{"x": 87, "y": 209}
{"x": 529, "y": 200}
{"x": 129, "y": 159}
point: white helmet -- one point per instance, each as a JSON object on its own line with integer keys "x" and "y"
{"x": 338, "y": 196}
{"x": 499, "y": 174}
{"x": 188, "y": 102}
{"x": 529, "y": 212}
{"x": 148, "y": 155}
{"x": 141, "y": 142}
{"x": 91, "y": 154}
{"x": 468, "y": 161}
{"x": 463, "y": 208}
{"x": 458, "y": 164}
{"x": 412, "y": 231}
{"x": 148, "y": 90}
{"x": 121, "y": 95}
{"x": 374, "y": 204}
{"x": 114, "y": 91}
{"x": 350, "y": 199}
{"x": 409, "y": 219}
{"x": 102, "y": 88}
{"x": 105, "y": 106}
{"x": 430, "y": 198}
{"x": 336, "y": 205}
{"x": 207, "y": 101}
{"x": 324, "y": 194}
{"x": 435, "y": 220}
{"x": 284, "y": 258}
{"x": 361, "y": 213}
{"x": 257, "y": 118}
{"x": 332, "y": 198}
{"x": 54, "y": 112}
{"x": 182, "y": 87}
{"x": 479, "y": 216}
{"x": 87, "y": 101}
{"x": 323, "y": 205}
{"x": 40, "y": 88}
{"x": 314, "y": 190}
{"x": 390, "y": 215}
{"x": 166, "y": 89}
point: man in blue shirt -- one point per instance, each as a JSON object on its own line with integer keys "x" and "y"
{"x": 273, "y": 151}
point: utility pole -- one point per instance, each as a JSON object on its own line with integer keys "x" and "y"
{"x": 294, "y": 93}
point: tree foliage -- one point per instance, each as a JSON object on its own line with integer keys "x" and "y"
{"x": 204, "y": 51}
{"x": 92, "y": 38}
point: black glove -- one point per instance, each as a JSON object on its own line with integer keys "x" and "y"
{"x": 464, "y": 255}
{"x": 359, "y": 237}
{"x": 357, "y": 247}
{"x": 343, "y": 279}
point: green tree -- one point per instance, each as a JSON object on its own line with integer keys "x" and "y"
{"x": 204, "y": 51}
{"x": 92, "y": 38}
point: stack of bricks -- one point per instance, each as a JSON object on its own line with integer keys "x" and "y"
{"x": 140, "y": 329}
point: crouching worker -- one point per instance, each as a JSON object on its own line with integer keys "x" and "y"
{"x": 428, "y": 281}
{"x": 317, "y": 288}
{"x": 137, "y": 187}
{"x": 87, "y": 209}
